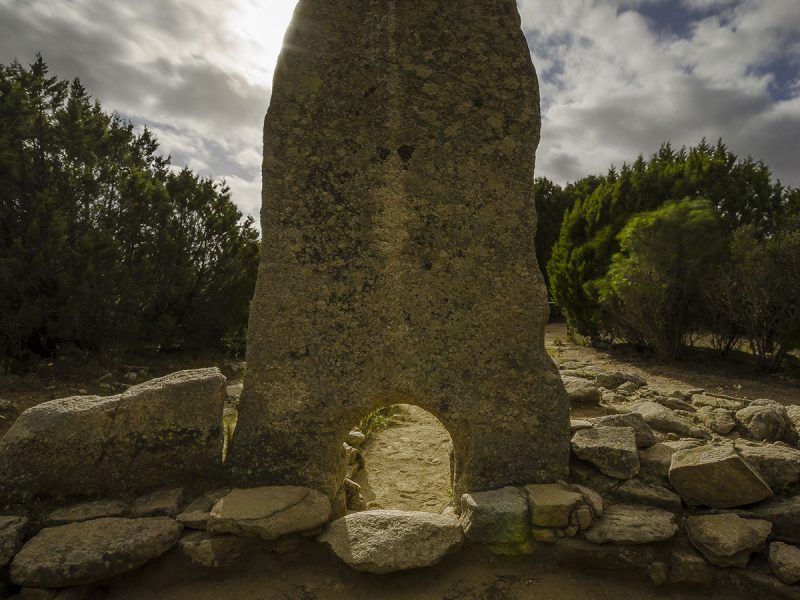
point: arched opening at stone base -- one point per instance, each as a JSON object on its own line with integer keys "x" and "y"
{"x": 399, "y": 457}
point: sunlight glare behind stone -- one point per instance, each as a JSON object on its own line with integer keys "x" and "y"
{"x": 259, "y": 25}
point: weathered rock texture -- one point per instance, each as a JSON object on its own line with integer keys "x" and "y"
{"x": 269, "y": 512}
{"x": 160, "y": 433}
{"x": 86, "y": 552}
{"x": 382, "y": 541}
{"x": 397, "y": 263}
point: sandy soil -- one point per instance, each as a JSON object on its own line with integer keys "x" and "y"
{"x": 702, "y": 369}
{"x": 407, "y": 466}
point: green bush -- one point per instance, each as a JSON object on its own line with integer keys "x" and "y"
{"x": 653, "y": 292}
{"x": 741, "y": 192}
{"x": 102, "y": 243}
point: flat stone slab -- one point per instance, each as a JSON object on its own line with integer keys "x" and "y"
{"x": 12, "y": 530}
{"x": 663, "y": 419}
{"x": 716, "y": 476}
{"x": 727, "y": 540}
{"x": 644, "y": 434}
{"x": 496, "y": 517}
{"x": 701, "y": 400}
{"x": 627, "y": 524}
{"x": 784, "y": 560}
{"x": 269, "y": 512}
{"x": 383, "y": 541}
{"x": 611, "y": 449}
{"x": 87, "y": 511}
{"x": 636, "y": 491}
{"x": 87, "y": 552}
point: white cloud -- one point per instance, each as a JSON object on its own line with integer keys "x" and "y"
{"x": 613, "y": 88}
{"x": 199, "y": 73}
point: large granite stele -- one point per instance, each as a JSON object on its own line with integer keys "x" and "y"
{"x": 397, "y": 260}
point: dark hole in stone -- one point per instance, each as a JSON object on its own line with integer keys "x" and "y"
{"x": 478, "y": 102}
{"x": 406, "y": 152}
{"x": 383, "y": 153}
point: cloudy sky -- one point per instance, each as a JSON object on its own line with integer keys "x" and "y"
{"x": 618, "y": 76}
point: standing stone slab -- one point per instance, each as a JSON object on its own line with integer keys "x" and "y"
{"x": 396, "y": 261}
{"x": 161, "y": 433}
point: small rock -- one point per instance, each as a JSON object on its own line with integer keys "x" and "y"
{"x": 552, "y": 504}
{"x": 657, "y": 459}
{"x": 355, "y": 500}
{"x": 234, "y": 390}
{"x": 206, "y": 501}
{"x": 727, "y": 540}
{"x": 658, "y": 572}
{"x": 687, "y": 566}
{"x": 676, "y": 404}
{"x": 269, "y": 512}
{"x": 777, "y": 464}
{"x": 105, "y": 377}
{"x": 194, "y": 520}
{"x": 87, "y": 511}
{"x": 613, "y": 380}
{"x": 5, "y": 405}
{"x": 497, "y": 517}
{"x": 209, "y": 550}
{"x": 83, "y": 553}
{"x": 644, "y": 434}
{"x": 768, "y": 421}
{"x": 716, "y": 476}
{"x": 12, "y": 532}
{"x": 383, "y": 541}
{"x": 610, "y": 449}
{"x": 783, "y": 513}
{"x": 718, "y": 420}
{"x": 784, "y": 560}
{"x": 578, "y": 424}
{"x": 626, "y": 524}
{"x": 731, "y": 404}
{"x": 582, "y": 391}
{"x": 546, "y": 535}
{"x": 629, "y": 387}
{"x": 356, "y": 439}
{"x": 163, "y": 503}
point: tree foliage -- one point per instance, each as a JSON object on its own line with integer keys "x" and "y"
{"x": 653, "y": 292}
{"x": 102, "y": 242}
{"x": 635, "y": 262}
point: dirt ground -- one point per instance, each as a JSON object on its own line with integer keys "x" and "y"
{"x": 407, "y": 466}
{"x": 310, "y": 572}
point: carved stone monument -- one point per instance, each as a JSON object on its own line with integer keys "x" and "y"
{"x": 398, "y": 261}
